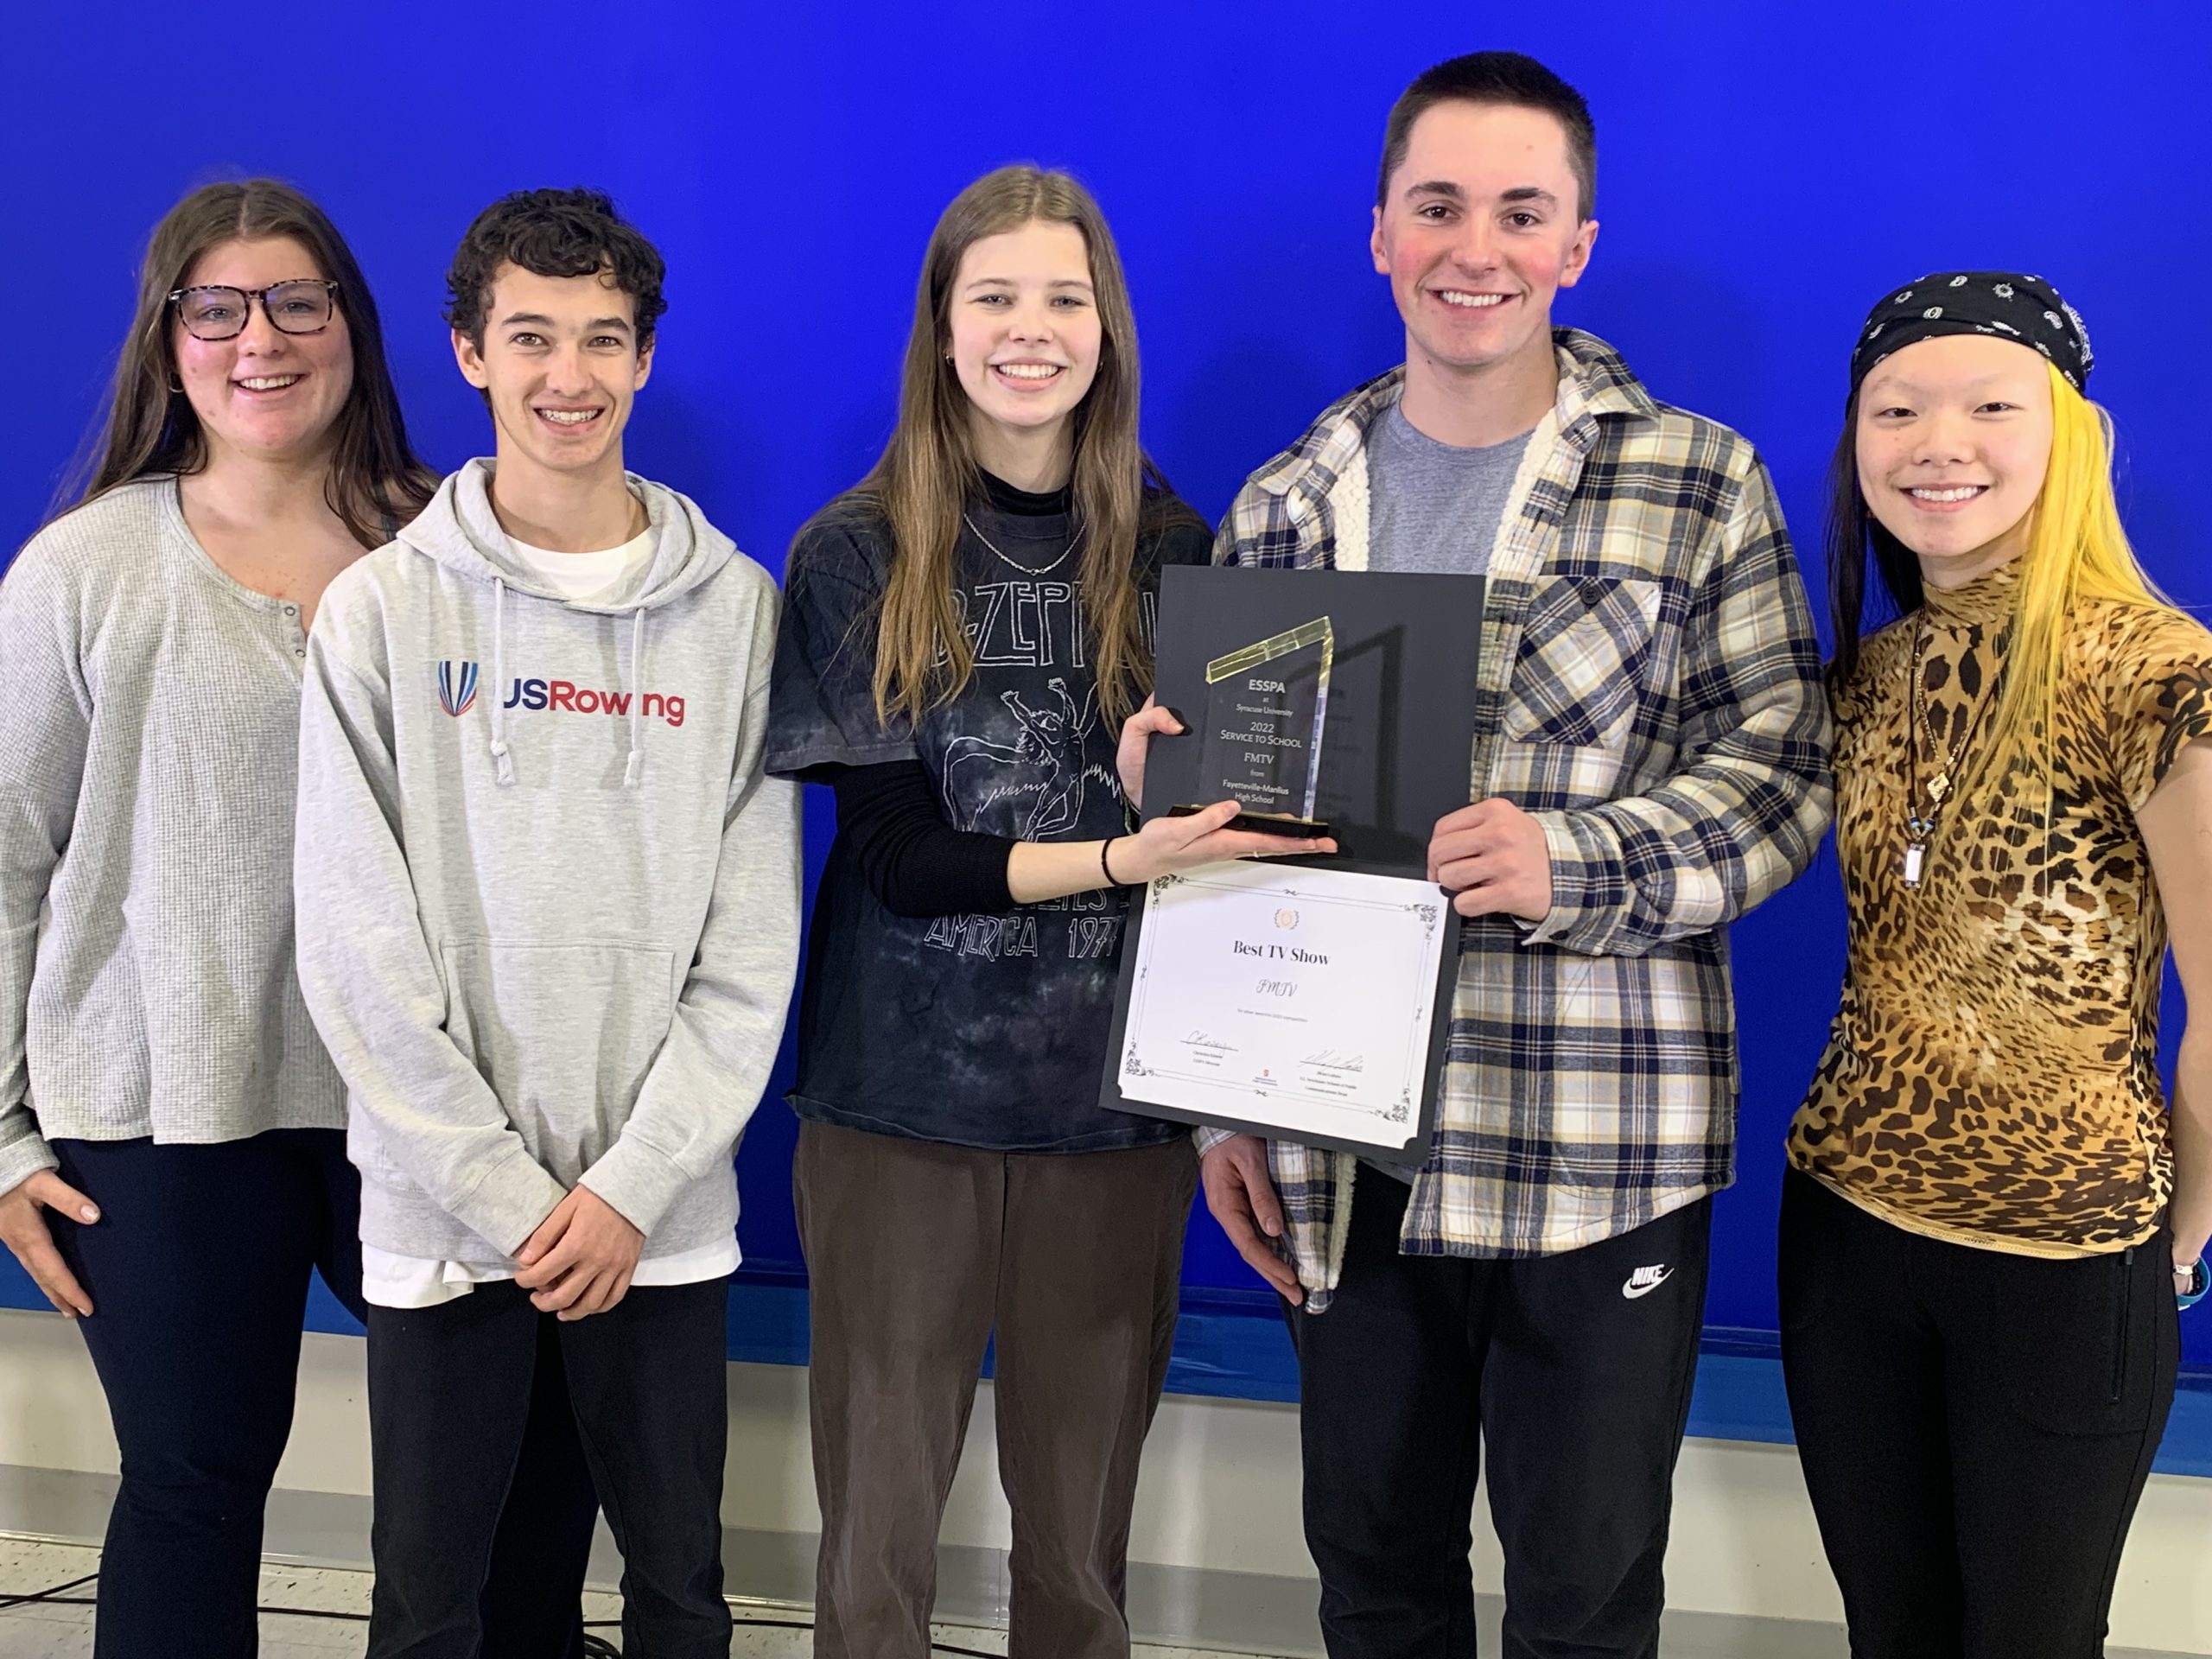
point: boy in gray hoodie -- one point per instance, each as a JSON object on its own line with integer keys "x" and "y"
{"x": 549, "y": 912}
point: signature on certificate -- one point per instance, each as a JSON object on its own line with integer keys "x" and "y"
{"x": 1211, "y": 1045}
{"x": 1332, "y": 1059}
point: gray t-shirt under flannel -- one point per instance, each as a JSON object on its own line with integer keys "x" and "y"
{"x": 1433, "y": 507}
{"x": 1430, "y": 506}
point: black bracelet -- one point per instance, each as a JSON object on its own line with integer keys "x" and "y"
{"x": 1104, "y": 846}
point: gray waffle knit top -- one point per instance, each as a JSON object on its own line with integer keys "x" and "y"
{"x": 148, "y": 761}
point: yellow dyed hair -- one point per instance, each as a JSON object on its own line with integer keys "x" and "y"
{"x": 2077, "y": 551}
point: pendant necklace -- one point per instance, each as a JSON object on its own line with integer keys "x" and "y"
{"x": 1074, "y": 542}
{"x": 1920, "y": 824}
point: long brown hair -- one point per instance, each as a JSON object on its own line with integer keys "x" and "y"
{"x": 375, "y": 482}
{"x": 928, "y": 471}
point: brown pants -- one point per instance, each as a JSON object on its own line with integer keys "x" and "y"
{"x": 916, "y": 1253}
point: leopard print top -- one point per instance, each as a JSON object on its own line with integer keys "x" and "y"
{"x": 1992, "y": 1075}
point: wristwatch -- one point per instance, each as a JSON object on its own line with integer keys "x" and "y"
{"x": 2190, "y": 1283}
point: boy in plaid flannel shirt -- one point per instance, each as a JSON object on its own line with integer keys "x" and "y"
{"x": 1652, "y": 763}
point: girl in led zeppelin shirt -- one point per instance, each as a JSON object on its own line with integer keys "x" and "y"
{"x": 965, "y": 633}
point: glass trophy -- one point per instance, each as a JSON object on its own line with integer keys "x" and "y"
{"x": 1265, "y": 706}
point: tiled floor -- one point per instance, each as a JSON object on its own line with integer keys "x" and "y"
{"x": 48, "y": 1631}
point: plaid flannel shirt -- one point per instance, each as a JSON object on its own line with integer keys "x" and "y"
{"x": 1649, "y": 690}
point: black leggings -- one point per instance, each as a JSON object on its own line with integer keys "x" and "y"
{"x": 1975, "y": 1427}
{"x": 198, "y": 1272}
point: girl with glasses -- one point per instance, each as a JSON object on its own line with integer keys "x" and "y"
{"x": 172, "y": 1149}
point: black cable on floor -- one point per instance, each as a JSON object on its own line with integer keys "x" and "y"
{"x": 7, "y": 1602}
{"x": 594, "y": 1647}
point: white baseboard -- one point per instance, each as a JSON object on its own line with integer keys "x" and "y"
{"x": 1217, "y": 1559}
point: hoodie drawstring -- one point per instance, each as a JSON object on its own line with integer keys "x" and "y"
{"x": 636, "y": 768}
{"x": 500, "y": 754}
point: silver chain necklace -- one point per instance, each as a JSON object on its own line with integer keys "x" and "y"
{"x": 1074, "y": 542}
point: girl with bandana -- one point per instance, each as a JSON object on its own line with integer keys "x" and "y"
{"x": 1991, "y": 1213}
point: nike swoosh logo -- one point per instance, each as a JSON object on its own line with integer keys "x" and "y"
{"x": 1644, "y": 1280}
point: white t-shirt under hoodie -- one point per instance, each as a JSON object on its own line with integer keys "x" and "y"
{"x": 585, "y": 578}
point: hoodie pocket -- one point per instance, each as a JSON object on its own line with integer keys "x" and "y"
{"x": 564, "y": 1034}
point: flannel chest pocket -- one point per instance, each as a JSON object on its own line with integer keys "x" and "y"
{"x": 1586, "y": 654}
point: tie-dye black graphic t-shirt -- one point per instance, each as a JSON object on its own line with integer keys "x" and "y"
{"x": 979, "y": 1030}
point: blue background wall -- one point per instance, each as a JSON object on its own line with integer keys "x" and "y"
{"x": 1766, "y": 171}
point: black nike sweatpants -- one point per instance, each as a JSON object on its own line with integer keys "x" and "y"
{"x": 1573, "y": 1372}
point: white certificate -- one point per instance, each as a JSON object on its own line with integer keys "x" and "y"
{"x": 1296, "y": 998}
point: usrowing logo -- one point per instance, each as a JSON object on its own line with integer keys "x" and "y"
{"x": 457, "y": 688}
{"x": 459, "y": 682}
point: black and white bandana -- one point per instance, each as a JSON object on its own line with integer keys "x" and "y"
{"x": 2004, "y": 305}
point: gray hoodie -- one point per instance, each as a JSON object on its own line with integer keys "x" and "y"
{"x": 548, "y": 903}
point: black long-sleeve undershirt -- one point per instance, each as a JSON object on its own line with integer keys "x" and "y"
{"x": 915, "y": 862}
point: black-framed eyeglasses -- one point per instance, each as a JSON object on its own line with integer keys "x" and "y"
{"x": 213, "y": 311}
